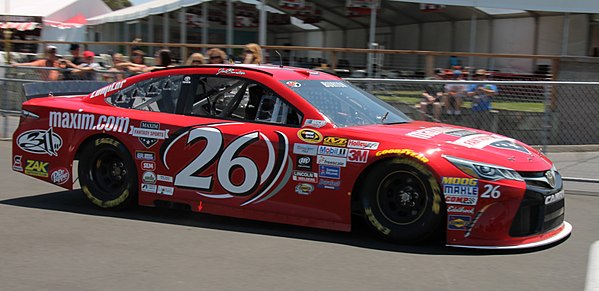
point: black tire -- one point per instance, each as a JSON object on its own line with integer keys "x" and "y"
{"x": 107, "y": 174}
{"x": 401, "y": 201}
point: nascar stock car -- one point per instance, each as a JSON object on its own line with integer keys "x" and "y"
{"x": 290, "y": 145}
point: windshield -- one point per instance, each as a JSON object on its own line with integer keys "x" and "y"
{"x": 346, "y": 105}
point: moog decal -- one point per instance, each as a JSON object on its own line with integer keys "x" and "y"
{"x": 248, "y": 166}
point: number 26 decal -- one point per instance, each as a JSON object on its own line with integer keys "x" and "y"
{"x": 491, "y": 192}
{"x": 228, "y": 160}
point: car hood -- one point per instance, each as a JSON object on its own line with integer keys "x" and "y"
{"x": 436, "y": 139}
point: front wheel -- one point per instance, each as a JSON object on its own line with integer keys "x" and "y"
{"x": 107, "y": 173}
{"x": 401, "y": 201}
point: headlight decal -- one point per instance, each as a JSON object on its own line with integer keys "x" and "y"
{"x": 483, "y": 170}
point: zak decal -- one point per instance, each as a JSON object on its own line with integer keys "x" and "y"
{"x": 88, "y": 121}
{"x": 249, "y": 166}
{"x": 36, "y": 168}
{"x": 149, "y": 133}
{"x": 39, "y": 141}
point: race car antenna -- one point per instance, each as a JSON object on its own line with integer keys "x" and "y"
{"x": 280, "y": 59}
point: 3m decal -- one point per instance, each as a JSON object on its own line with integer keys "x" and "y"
{"x": 331, "y": 161}
{"x": 305, "y": 176}
{"x": 334, "y": 84}
{"x": 164, "y": 178}
{"x": 148, "y": 166}
{"x": 314, "y": 123}
{"x": 329, "y": 184}
{"x": 332, "y": 151}
{"x": 17, "y": 163}
{"x": 146, "y": 156}
{"x": 335, "y": 141}
{"x": 304, "y": 189}
{"x": 108, "y": 89}
{"x": 406, "y": 152}
{"x": 149, "y": 133}
{"x": 357, "y": 156}
{"x": 361, "y": 144}
{"x": 305, "y": 149}
{"x": 309, "y": 135}
{"x": 248, "y": 166}
{"x": 37, "y": 141}
{"x": 88, "y": 121}
{"x": 229, "y": 71}
{"x": 36, "y": 168}
{"x": 149, "y": 177}
{"x": 555, "y": 197}
{"x": 304, "y": 162}
{"x": 491, "y": 192}
{"x": 59, "y": 176}
{"x": 150, "y": 188}
{"x": 331, "y": 172}
{"x": 460, "y": 209}
{"x": 458, "y": 222}
{"x": 165, "y": 190}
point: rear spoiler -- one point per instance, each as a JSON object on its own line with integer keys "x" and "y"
{"x": 61, "y": 88}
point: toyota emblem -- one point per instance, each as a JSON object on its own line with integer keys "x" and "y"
{"x": 550, "y": 178}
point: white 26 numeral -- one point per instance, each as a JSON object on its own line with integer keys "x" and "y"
{"x": 491, "y": 192}
{"x": 228, "y": 162}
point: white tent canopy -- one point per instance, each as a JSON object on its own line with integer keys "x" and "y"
{"x": 574, "y": 6}
{"x": 143, "y": 10}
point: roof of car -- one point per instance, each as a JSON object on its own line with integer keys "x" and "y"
{"x": 276, "y": 71}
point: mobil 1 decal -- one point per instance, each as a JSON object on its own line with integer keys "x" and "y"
{"x": 228, "y": 161}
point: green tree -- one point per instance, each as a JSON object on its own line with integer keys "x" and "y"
{"x": 117, "y": 4}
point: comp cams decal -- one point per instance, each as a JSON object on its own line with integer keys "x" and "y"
{"x": 39, "y": 141}
{"x": 252, "y": 166}
{"x": 88, "y": 121}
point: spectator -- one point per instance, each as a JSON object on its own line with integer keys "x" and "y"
{"x": 216, "y": 56}
{"x": 120, "y": 65}
{"x": 76, "y": 59}
{"x": 50, "y": 61}
{"x": 137, "y": 57}
{"x": 252, "y": 54}
{"x": 454, "y": 94}
{"x": 87, "y": 68}
{"x": 431, "y": 99}
{"x": 195, "y": 59}
{"x": 164, "y": 58}
{"x": 482, "y": 94}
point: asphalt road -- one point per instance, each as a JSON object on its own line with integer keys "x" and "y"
{"x": 55, "y": 239}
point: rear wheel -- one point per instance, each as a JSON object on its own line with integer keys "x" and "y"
{"x": 107, "y": 174}
{"x": 401, "y": 201}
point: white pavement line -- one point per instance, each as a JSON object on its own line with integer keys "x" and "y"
{"x": 592, "y": 282}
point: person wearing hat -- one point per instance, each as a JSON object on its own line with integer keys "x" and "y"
{"x": 50, "y": 61}
{"x": 481, "y": 94}
{"x": 86, "y": 69}
{"x": 455, "y": 94}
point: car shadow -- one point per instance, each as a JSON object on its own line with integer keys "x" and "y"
{"x": 360, "y": 236}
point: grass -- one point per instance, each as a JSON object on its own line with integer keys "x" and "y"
{"x": 406, "y": 97}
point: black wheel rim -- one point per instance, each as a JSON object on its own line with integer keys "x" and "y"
{"x": 109, "y": 174}
{"x": 402, "y": 197}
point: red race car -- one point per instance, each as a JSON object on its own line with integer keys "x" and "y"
{"x": 294, "y": 146}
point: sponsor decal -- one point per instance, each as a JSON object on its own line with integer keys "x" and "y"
{"x": 333, "y": 84}
{"x": 329, "y": 184}
{"x": 148, "y": 166}
{"x": 107, "y": 140}
{"x": 362, "y": 144}
{"x": 146, "y": 156}
{"x": 304, "y": 176}
{"x": 309, "y": 135}
{"x": 315, "y": 123}
{"x": 427, "y": 133}
{"x": 36, "y": 168}
{"x": 461, "y": 132}
{"x": 449, "y": 199}
{"x": 293, "y": 84}
{"x": 460, "y": 209}
{"x": 148, "y": 188}
{"x": 509, "y": 145}
{"x": 555, "y": 197}
{"x": 59, "y": 176}
{"x": 108, "y": 89}
{"x": 38, "y": 141}
{"x": 357, "y": 156}
{"x": 332, "y": 172}
{"x": 186, "y": 80}
{"x": 304, "y": 189}
{"x": 331, "y": 161}
{"x": 458, "y": 222}
{"x": 229, "y": 71}
{"x": 88, "y": 121}
{"x": 332, "y": 151}
{"x": 165, "y": 190}
{"x": 149, "y": 177}
{"x": 17, "y": 163}
{"x": 460, "y": 190}
{"x": 304, "y": 162}
{"x": 406, "y": 152}
{"x": 477, "y": 141}
{"x": 164, "y": 178}
{"x": 149, "y": 133}
{"x": 305, "y": 149}
{"x": 335, "y": 141}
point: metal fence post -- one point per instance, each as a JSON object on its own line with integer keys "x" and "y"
{"x": 546, "y": 112}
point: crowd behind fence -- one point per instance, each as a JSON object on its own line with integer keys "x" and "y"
{"x": 536, "y": 112}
